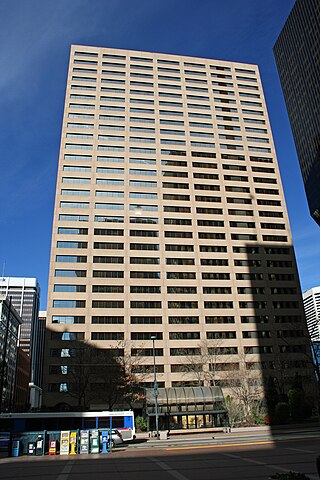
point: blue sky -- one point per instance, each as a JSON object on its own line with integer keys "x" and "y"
{"x": 35, "y": 38}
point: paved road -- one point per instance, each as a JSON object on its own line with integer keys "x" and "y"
{"x": 253, "y": 460}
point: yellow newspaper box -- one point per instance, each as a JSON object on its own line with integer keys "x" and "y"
{"x": 73, "y": 443}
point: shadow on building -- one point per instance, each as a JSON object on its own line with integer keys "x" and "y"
{"x": 83, "y": 377}
{"x": 275, "y": 338}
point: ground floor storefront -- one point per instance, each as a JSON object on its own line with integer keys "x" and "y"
{"x": 186, "y": 408}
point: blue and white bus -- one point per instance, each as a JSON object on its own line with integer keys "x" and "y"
{"x": 40, "y": 421}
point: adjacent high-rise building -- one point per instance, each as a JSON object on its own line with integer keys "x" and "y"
{"x": 297, "y": 56}
{"x": 36, "y": 381}
{"x": 10, "y": 322}
{"x": 311, "y": 302}
{"x": 170, "y": 222}
{"x": 25, "y": 297}
{"x": 21, "y": 399}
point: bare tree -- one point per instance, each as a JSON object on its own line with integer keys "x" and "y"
{"x": 109, "y": 377}
{"x": 79, "y": 360}
{"x": 102, "y": 376}
{"x": 204, "y": 366}
{"x": 134, "y": 375}
{"x": 94, "y": 375}
{"x": 234, "y": 409}
{"x": 245, "y": 385}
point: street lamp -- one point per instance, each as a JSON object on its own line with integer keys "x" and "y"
{"x": 155, "y": 385}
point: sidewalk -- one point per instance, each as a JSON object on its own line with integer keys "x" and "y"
{"x": 185, "y": 435}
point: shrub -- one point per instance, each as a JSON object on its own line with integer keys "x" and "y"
{"x": 296, "y": 403}
{"x": 289, "y": 476}
{"x": 141, "y": 424}
{"x": 281, "y": 413}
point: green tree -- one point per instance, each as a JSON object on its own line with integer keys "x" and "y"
{"x": 295, "y": 397}
{"x": 282, "y": 413}
{"x": 141, "y": 424}
{"x": 272, "y": 395}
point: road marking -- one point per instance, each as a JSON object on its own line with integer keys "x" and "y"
{"x": 66, "y": 470}
{"x": 170, "y": 470}
{"x": 244, "y": 444}
{"x": 267, "y": 465}
{"x": 250, "y": 460}
{"x": 301, "y": 450}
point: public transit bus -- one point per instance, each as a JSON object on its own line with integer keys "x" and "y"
{"x": 41, "y": 421}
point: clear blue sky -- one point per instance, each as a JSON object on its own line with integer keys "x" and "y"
{"x": 35, "y": 38}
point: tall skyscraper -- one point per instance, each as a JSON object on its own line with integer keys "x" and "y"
{"x": 10, "y": 322}
{"x": 297, "y": 56}
{"x": 311, "y": 302}
{"x": 170, "y": 221}
{"x": 25, "y": 297}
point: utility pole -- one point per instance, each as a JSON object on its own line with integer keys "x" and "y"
{"x": 155, "y": 386}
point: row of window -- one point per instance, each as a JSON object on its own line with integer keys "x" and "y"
{"x": 166, "y": 66}
{"x": 176, "y": 197}
{"x": 165, "y": 103}
{"x": 252, "y": 250}
{"x": 174, "y": 304}
{"x": 165, "y": 173}
{"x": 117, "y": 57}
{"x": 175, "y": 209}
{"x": 173, "y": 275}
{"x": 118, "y": 148}
{"x": 153, "y": 184}
{"x": 163, "y": 76}
{"x": 148, "y": 130}
{"x": 175, "y": 162}
{"x": 114, "y": 117}
{"x": 161, "y": 103}
{"x": 161, "y": 94}
{"x": 217, "y": 335}
{"x": 161, "y": 61}
{"x": 133, "y": 139}
{"x": 173, "y": 261}
{"x": 193, "y": 351}
{"x": 201, "y": 235}
{"x": 150, "y": 111}
{"x": 197, "y": 92}
{"x": 177, "y": 113}
{"x": 176, "y": 289}
{"x": 174, "y": 320}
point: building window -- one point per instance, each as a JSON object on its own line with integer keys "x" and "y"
{"x": 68, "y": 303}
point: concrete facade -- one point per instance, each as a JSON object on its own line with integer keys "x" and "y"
{"x": 170, "y": 220}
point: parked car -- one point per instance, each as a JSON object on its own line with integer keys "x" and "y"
{"x": 116, "y": 438}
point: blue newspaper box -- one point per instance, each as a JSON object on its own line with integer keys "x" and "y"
{"x": 105, "y": 435}
{"x": 15, "y": 448}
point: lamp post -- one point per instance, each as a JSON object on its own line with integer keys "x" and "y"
{"x": 155, "y": 385}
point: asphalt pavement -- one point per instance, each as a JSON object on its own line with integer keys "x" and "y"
{"x": 237, "y": 456}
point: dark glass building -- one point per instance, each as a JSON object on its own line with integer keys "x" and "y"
{"x": 10, "y": 322}
{"x": 297, "y": 54}
{"x": 25, "y": 298}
